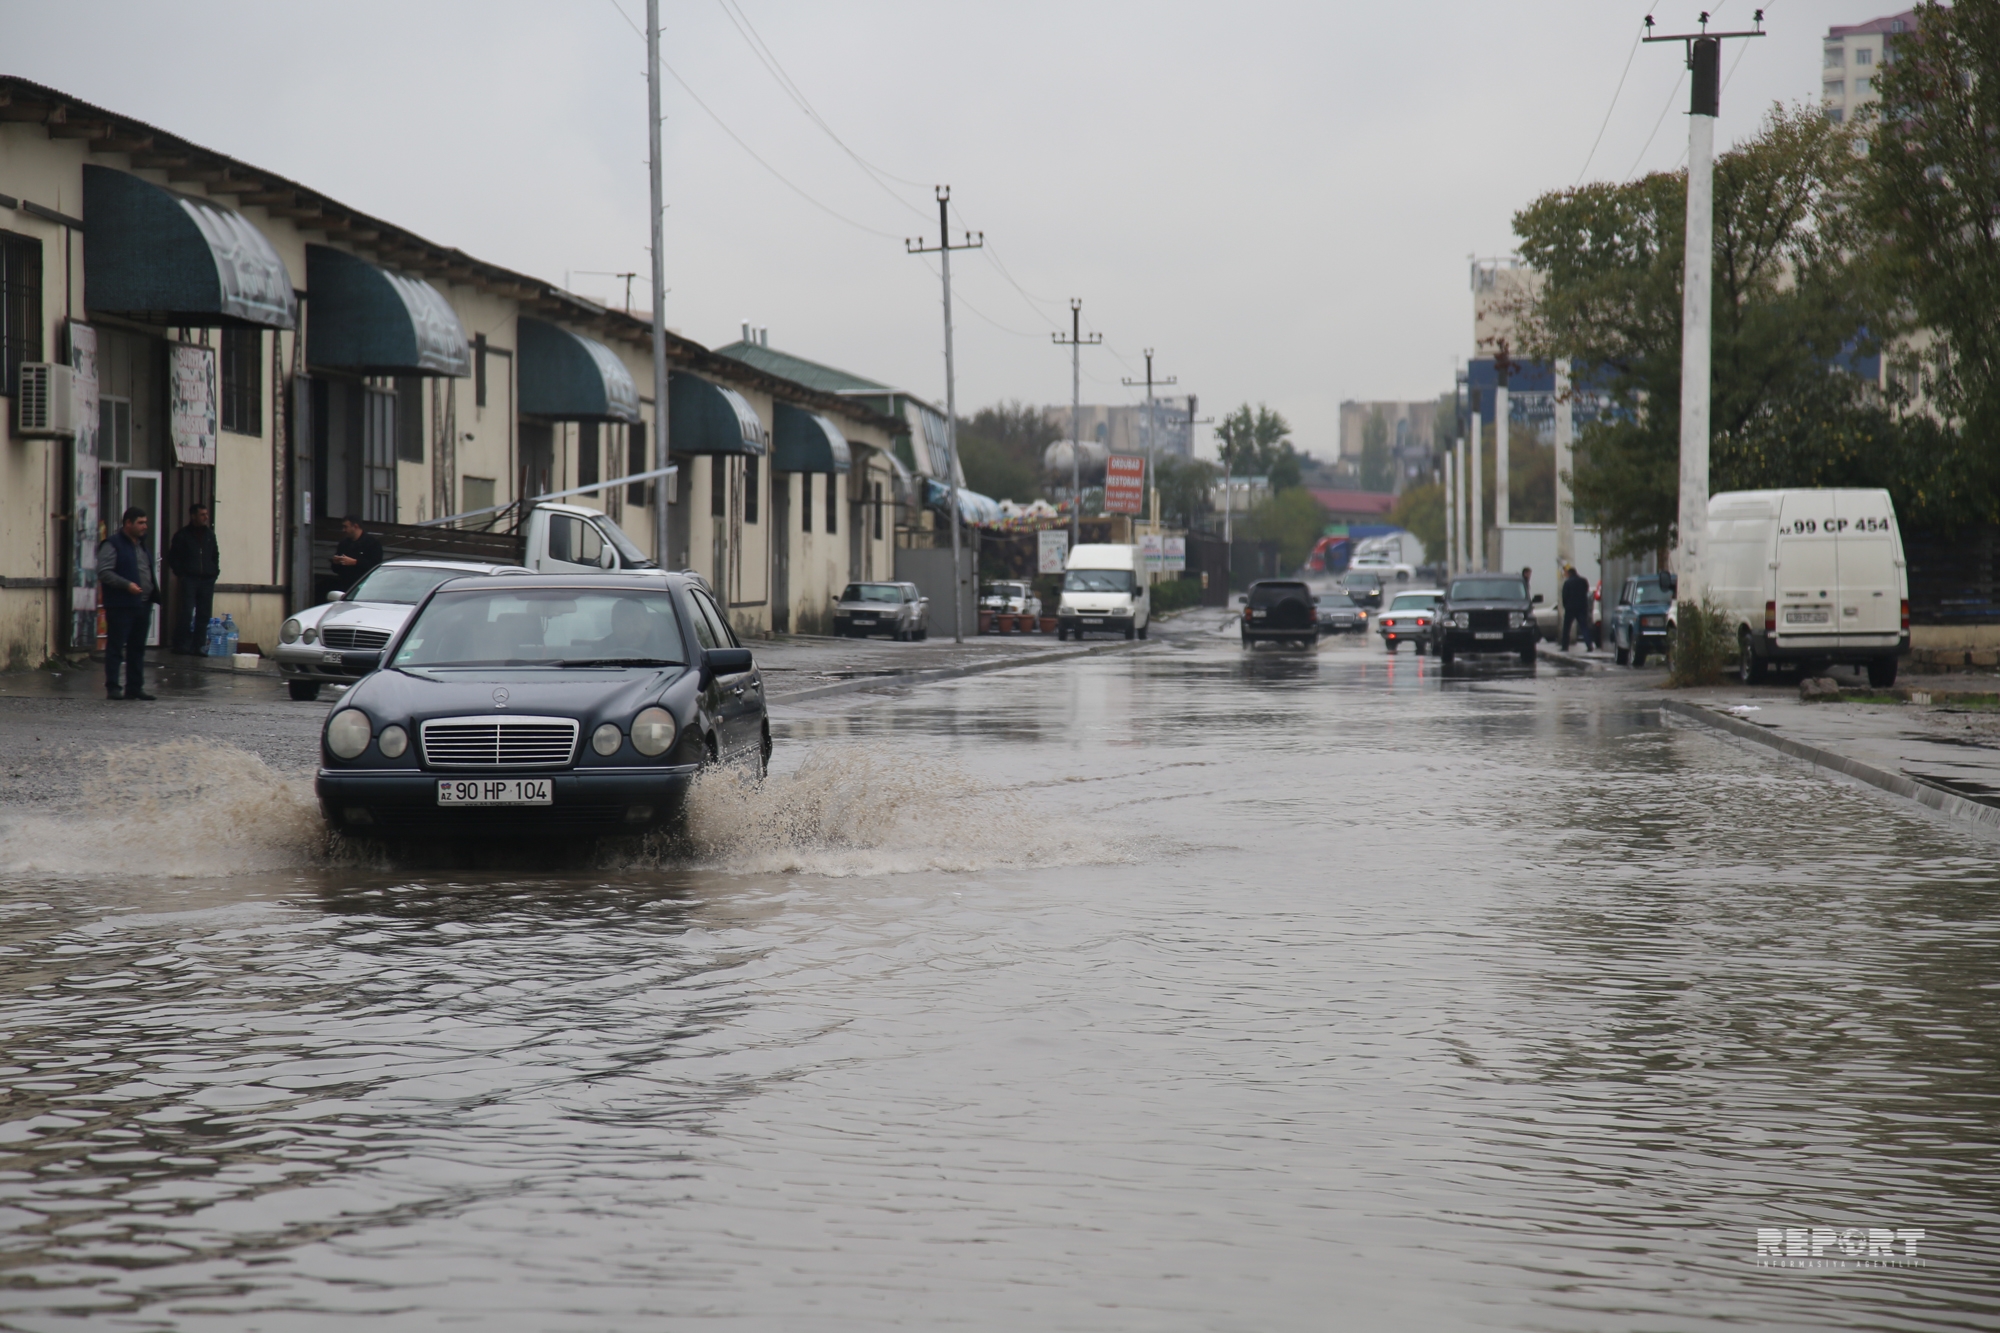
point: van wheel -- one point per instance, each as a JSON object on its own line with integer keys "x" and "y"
{"x": 1750, "y": 668}
{"x": 1143, "y": 628}
{"x": 1130, "y": 632}
{"x": 305, "y": 691}
{"x": 1882, "y": 672}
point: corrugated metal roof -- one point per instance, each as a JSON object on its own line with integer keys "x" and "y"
{"x": 812, "y": 374}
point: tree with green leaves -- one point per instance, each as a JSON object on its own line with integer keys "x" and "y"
{"x": 1258, "y": 444}
{"x": 1291, "y": 518}
{"x": 1797, "y": 287}
{"x": 1186, "y": 486}
{"x": 1000, "y": 447}
{"x": 1378, "y": 473}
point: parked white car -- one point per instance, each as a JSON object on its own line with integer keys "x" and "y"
{"x": 1384, "y": 567}
{"x": 1008, "y": 598}
{"x": 340, "y": 640}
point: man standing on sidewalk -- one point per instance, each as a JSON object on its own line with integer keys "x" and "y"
{"x": 197, "y": 563}
{"x": 125, "y": 571}
{"x": 1576, "y": 608}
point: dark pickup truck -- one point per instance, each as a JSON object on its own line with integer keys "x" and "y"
{"x": 1487, "y": 613}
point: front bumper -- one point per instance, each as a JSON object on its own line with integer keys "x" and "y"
{"x": 325, "y": 666}
{"x": 403, "y": 802}
{"x": 1510, "y": 641}
{"x": 1095, "y": 620}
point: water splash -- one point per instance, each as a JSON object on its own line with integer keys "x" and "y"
{"x": 181, "y": 808}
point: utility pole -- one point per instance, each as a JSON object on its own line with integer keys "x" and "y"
{"x": 661, "y": 548}
{"x": 943, "y": 250}
{"x": 1450, "y": 515}
{"x": 1076, "y": 342}
{"x": 1503, "y": 441}
{"x": 1704, "y": 58}
{"x": 1152, "y": 482}
{"x": 1476, "y": 502}
{"x": 1565, "y": 434}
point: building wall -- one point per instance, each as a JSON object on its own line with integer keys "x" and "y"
{"x": 1851, "y": 57}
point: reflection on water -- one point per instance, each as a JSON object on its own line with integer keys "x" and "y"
{"x": 1189, "y": 992}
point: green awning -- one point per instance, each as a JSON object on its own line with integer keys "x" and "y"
{"x": 373, "y": 322}
{"x": 705, "y": 418}
{"x": 568, "y": 377}
{"x": 803, "y": 441}
{"x": 154, "y": 254}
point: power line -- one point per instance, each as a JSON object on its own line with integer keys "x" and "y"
{"x": 1609, "y": 109}
{"x": 1672, "y": 97}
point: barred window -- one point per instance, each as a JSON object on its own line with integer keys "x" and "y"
{"x": 750, "y": 482}
{"x": 20, "y": 307}
{"x": 243, "y": 381}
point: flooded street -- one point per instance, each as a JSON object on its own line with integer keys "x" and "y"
{"x": 1184, "y": 989}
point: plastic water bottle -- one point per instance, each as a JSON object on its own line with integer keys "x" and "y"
{"x": 213, "y": 647}
{"x": 229, "y": 636}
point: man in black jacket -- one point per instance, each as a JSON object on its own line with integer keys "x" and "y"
{"x": 197, "y": 563}
{"x": 357, "y": 553}
{"x": 125, "y": 581}
{"x": 1576, "y": 608}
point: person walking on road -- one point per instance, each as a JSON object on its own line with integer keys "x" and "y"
{"x": 125, "y": 573}
{"x": 197, "y": 563}
{"x": 1576, "y": 609}
{"x": 357, "y": 553}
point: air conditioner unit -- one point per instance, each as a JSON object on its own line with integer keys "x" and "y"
{"x": 47, "y": 400}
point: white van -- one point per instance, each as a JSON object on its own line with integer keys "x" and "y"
{"x": 1810, "y": 577}
{"x": 1104, "y": 588}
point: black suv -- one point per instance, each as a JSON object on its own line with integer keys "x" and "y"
{"x": 1282, "y": 610}
{"x": 1486, "y": 613}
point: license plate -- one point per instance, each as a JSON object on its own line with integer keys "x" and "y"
{"x": 494, "y": 791}
{"x": 864, "y": 620}
{"x": 329, "y": 659}
{"x": 1488, "y": 634}
{"x": 1093, "y": 620}
{"x": 1807, "y": 617}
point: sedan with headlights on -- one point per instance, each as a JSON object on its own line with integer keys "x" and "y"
{"x": 543, "y": 706}
{"x": 1338, "y": 614}
{"x": 1408, "y": 619}
{"x": 335, "y": 642}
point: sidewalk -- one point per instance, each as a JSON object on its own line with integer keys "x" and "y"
{"x": 1944, "y": 755}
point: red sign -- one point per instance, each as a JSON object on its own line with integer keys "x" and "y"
{"x": 1124, "y": 483}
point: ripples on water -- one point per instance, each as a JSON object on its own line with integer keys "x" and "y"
{"x": 1193, "y": 993}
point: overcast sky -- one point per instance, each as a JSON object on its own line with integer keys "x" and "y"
{"x": 1279, "y": 197}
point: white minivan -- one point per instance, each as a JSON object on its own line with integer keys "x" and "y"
{"x": 1104, "y": 589}
{"x": 1811, "y": 577}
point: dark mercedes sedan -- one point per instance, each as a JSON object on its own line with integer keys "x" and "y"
{"x": 543, "y": 706}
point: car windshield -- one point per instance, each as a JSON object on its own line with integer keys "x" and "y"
{"x": 402, "y": 585}
{"x": 1489, "y": 590}
{"x": 871, "y": 592}
{"x": 1270, "y": 594}
{"x": 1335, "y": 600}
{"x": 1006, "y": 590}
{"x": 1649, "y": 590}
{"x": 545, "y": 627}
{"x": 1098, "y": 580}
{"x": 628, "y": 553}
{"x": 1413, "y": 601}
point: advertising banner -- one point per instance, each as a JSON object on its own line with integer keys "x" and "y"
{"x": 1124, "y": 483}
{"x": 191, "y": 402}
{"x": 1154, "y": 548}
{"x": 84, "y": 483}
{"x": 1176, "y": 556}
{"x": 1052, "y": 549}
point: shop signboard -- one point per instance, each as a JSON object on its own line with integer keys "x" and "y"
{"x": 1153, "y": 547}
{"x": 1124, "y": 483}
{"x": 1176, "y": 556}
{"x": 1052, "y": 550}
{"x": 84, "y": 483}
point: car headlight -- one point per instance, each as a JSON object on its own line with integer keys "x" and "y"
{"x": 392, "y": 742}
{"x": 1458, "y": 620}
{"x": 1516, "y": 619}
{"x": 312, "y": 634}
{"x": 348, "y": 732}
{"x": 607, "y": 738}
{"x": 652, "y": 731}
{"x": 289, "y": 631}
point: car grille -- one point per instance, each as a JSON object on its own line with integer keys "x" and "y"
{"x": 1487, "y": 621}
{"x": 499, "y": 742}
{"x": 354, "y": 638}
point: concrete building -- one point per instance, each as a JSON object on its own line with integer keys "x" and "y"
{"x": 1850, "y": 60}
{"x": 1409, "y": 431}
{"x": 1122, "y": 428}
{"x": 239, "y": 339}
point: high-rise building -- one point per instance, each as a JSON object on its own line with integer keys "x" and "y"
{"x": 1853, "y": 57}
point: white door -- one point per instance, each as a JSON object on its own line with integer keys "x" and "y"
{"x": 1870, "y": 604}
{"x": 143, "y": 490}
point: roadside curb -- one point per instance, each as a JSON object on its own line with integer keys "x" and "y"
{"x": 1542, "y": 649}
{"x": 899, "y": 680}
{"x": 1944, "y": 802}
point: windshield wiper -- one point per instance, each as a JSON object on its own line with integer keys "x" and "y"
{"x": 614, "y": 662}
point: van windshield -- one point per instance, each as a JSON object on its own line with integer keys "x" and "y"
{"x": 1098, "y": 580}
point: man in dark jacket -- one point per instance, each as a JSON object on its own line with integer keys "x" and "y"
{"x": 1576, "y": 608}
{"x": 125, "y": 574}
{"x": 357, "y": 553}
{"x": 197, "y": 563}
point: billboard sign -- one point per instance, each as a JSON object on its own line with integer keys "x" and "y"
{"x": 1124, "y": 483}
{"x": 1052, "y": 550}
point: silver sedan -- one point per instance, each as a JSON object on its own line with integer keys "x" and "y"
{"x": 895, "y": 609}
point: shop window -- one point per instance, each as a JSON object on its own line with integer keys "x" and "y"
{"x": 475, "y": 493}
{"x": 479, "y": 370}
{"x": 832, "y": 503}
{"x": 750, "y": 483}
{"x": 805, "y": 502}
{"x": 718, "y": 486}
{"x": 409, "y": 419}
{"x": 243, "y": 381}
{"x": 635, "y": 461}
{"x": 20, "y": 307}
{"x": 114, "y": 431}
{"x": 588, "y": 454}
{"x": 875, "y": 493}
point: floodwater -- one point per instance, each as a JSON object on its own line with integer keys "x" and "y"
{"x": 1181, "y": 990}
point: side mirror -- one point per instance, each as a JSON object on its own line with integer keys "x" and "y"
{"x": 727, "y": 661}
{"x": 608, "y": 560}
{"x": 336, "y": 597}
{"x": 1243, "y": 599}
{"x": 1536, "y": 600}
{"x": 366, "y": 659}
